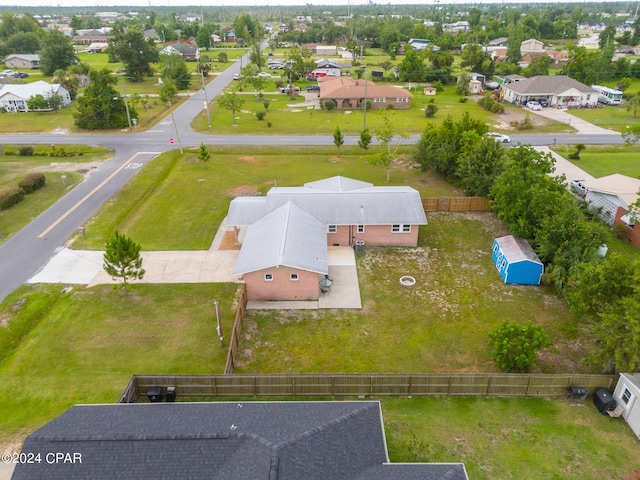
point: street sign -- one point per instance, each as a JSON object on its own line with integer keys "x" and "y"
{"x": 171, "y": 141}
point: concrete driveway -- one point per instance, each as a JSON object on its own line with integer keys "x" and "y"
{"x": 563, "y": 116}
{"x": 564, "y": 166}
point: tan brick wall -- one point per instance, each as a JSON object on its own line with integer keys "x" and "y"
{"x": 340, "y": 238}
{"x": 631, "y": 234}
{"x": 282, "y": 287}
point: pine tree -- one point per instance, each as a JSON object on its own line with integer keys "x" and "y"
{"x": 122, "y": 259}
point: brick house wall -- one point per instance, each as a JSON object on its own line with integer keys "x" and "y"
{"x": 281, "y": 287}
{"x": 373, "y": 235}
{"x": 631, "y": 233}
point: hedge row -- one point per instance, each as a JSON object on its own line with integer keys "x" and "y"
{"x": 10, "y": 197}
{"x": 14, "y": 195}
{"x": 42, "y": 151}
{"x": 32, "y": 182}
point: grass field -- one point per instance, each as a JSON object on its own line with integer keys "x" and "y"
{"x": 14, "y": 168}
{"x": 613, "y": 118}
{"x": 603, "y": 160}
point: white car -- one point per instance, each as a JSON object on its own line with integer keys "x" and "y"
{"x": 498, "y": 137}
{"x": 264, "y": 75}
{"x": 236, "y": 76}
{"x": 9, "y": 73}
{"x": 534, "y": 105}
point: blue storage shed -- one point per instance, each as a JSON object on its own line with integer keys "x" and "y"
{"x": 516, "y": 261}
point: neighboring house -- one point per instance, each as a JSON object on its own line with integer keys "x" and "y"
{"x": 636, "y": 50}
{"x": 285, "y": 234}
{"x": 331, "y": 67}
{"x": 97, "y": 47}
{"x": 87, "y": 37}
{"x": 556, "y": 90}
{"x": 23, "y": 60}
{"x": 627, "y": 395}
{"x": 516, "y": 261}
{"x": 590, "y": 43}
{"x": 151, "y": 33}
{"x": 531, "y": 45}
{"x": 460, "y": 26}
{"x": 498, "y": 42}
{"x": 13, "y": 98}
{"x": 430, "y": 90}
{"x": 330, "y": 50}
{"x": 499, "y": 54}
{"x": 349, "y": 94}
{"x": 419, "y": 43}
{"x": 222, "y": 441}
{"x": 187, "y": 51}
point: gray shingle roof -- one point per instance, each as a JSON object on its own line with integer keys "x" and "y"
{"x": 230, "y": 441}
{"x": 416, "y": 471}
{"x": 287, "y": 236}
{"x": 548, "y": 84}
{"x": 350, "y": 205}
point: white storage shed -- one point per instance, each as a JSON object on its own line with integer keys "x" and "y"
{"x": 627, "y": 394}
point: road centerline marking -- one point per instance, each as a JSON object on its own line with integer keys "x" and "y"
{"x": 86, "y": 197}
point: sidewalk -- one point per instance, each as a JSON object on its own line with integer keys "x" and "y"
{"x": 564, "y": 166}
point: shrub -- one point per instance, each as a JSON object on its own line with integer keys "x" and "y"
{"x": 329, "y": 105}
{"x": 10, "y": 197}
{"x": 260, "y": 114}
{"x": 26, "y": 151}
{"x": 266, "y": 102}
{"x": 32, "y": 182}
{"x": 391, "y": 106}
{"x": 525, "y": 124}
{"x": 431, "y": 110}
{"x": 437, "y": 85}
{"x": 463, "y": 99}
{"x": 269, "y": 124}
{"x": 515, "y": 347}
{"x": 491, "y": 105}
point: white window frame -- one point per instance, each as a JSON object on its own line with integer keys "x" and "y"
{"x": 294, "y": 277}
{"x": 627, "y": 396}
{"x": 380, "y": 100}
{"x": 332, "y": 229}
{"x": 360, "y": 229}
{"x": 268, "y": 277}
{"x": 403, "y": 100}
{"x": 401, "y": 228}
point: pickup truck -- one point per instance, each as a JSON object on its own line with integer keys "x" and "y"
{"x": 9, "y": 73}
{"x": 287, "y": 89}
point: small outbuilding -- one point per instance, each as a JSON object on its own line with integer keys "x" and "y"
{"x": 516, "y": 261}
{"x": 626, "y": 394}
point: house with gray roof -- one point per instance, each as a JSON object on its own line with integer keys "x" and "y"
{"x": 221, "y": 441}
{"x": 285, "y": 235}
{"x": 555, "y": 90}
{"x": 23, "y": 60}
{"x": 13, "y": 98}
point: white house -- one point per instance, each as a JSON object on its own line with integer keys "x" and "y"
{"x": 13, "y": 98}
{"x": 590, "y": 43}
{"x": 531, "y": 45}
{"x": 609, "y": 193}
{"x": 626, "y": 395}
{"x": 553, "y": 89}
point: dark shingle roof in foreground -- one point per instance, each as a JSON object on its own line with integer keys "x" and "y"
{"x": 230, "y": 441}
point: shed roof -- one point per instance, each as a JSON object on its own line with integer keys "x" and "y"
{"x": 625, "y": 188}
{"x": 517, "y": 250}
{"x": 287, "y": 236}
{"x": 548, "y": 84}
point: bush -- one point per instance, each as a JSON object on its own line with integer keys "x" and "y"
{"x": 437, "y": 85}
{"x": 525, "y": 124}
{"x": 463, "y": 99}
{"x": 491, "y": 105}
{"x": 25, "y": 151}
{"x": 515, "y": 347}
{"x": 269, "y": 124}
{"x": 391, "y": 107}
{"x": 10, "y": 197}
{"x": 431, "y": 110}
{"x": 33, "y": 182}
{"x": 329, "y": 105}
{"x": 260, "y": 114}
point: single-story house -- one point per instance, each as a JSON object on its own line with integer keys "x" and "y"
{"x": 531, "y": 45}
{"x": 23, "y": 60}
{"x": 611, "y": 193}
{"x": 516, "y": 261}
{"x": 419, "y": 43}
{"x": 627, "y": 395}
{"x": 590, "y": 43}
{"x": 13, "y": 98}
{"x": 499, "y": 54}
{"x": 349, "y": 94}
{"x": 330, "y": 50}
{"x": 330, "y": 67}
{"x": 284, "y": 235}
{"x": 430, "y": 90}
{"x": 334, "y": 440}
{"x": 556, "y": 90}
{"x": 97, "y": 47}
{"x": 151, "y": 33}
{"x": 187, "y": 51}
{"x": 498, "y": 42}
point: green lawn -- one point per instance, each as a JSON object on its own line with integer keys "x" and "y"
{"x": 603, "y": 160}
{"x": 177, "y": 202}
{"x": 14, "y": 168}
{"x": 83, "y": 346}
{"x": 613, "y": 118}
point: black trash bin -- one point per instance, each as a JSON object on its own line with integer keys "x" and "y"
{"x": 154, "y": 394}
{"x": 603, "y": 401}
{"x": 171, "y": 394}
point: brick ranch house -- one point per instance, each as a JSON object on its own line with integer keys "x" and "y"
{"x": 350, "y": 94}
{"x": 285, "y": 234}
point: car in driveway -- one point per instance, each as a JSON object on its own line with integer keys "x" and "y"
{"x": 288, "y": 88}
{"x": 534, "y": 105}
{"x": 264, "y": 75}
{"x": 499, "y": 137}
{"x": 21, "y": 75}
{"x": 313, "y": 88}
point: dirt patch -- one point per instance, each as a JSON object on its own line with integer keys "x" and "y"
{"x": 229, "y": 242}
{"x": 335, "y": 159}
{"x": 248, "y": 159}
{"x": 68, "y": 167}
{"x": 243, "y": 191}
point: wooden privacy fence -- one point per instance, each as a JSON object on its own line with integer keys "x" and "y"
{"x": 365, "y": 385}
{"x": 456, "y": 204}
{"x": 237, "y": 329}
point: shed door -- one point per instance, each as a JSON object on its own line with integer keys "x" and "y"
{"x": 633, "y": 419}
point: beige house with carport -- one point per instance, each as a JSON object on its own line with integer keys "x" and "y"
{"x": 556, "y": 90}
{"x": 286, "y": 234}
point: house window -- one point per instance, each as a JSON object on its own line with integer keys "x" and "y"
{"x": 332, "y": 228}
{"x": 379, "y": 100}
{"x": 293, "y": 277}
{"x": 626, "y": 396}
{"x": 268, "y": 277}
{"x": 403, "y": 99}
{"x": 360, "y": 228}
{"x": 401, "y": 228}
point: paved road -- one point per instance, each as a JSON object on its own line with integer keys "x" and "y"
{"x": 27, "y": 251}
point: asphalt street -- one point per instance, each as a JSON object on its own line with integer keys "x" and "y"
{"x": 22, "y": 255}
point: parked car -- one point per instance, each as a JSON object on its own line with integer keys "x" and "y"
{"x": 264, "y": 75}
{"x": 287, "y": 89}
{"x": 534, "y": 105}
{"x": 313, "y": 88}
{"x": 578, "y": 187}
{"x": 22, "y": 75}
{"x": 311, "y": 78}
{"x": 9, "y": 73}
{"x": 498, "y": 137}
{"x": 236, "y": 76}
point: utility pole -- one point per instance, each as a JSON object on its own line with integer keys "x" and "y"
{"x": 126, "y": 103}
{"x": 206, "y": 100}
{"x": 364, "y": 124}
{"x": 175, "y": 127}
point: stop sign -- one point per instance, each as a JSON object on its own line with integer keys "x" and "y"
{"x": 171, "y": 141}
